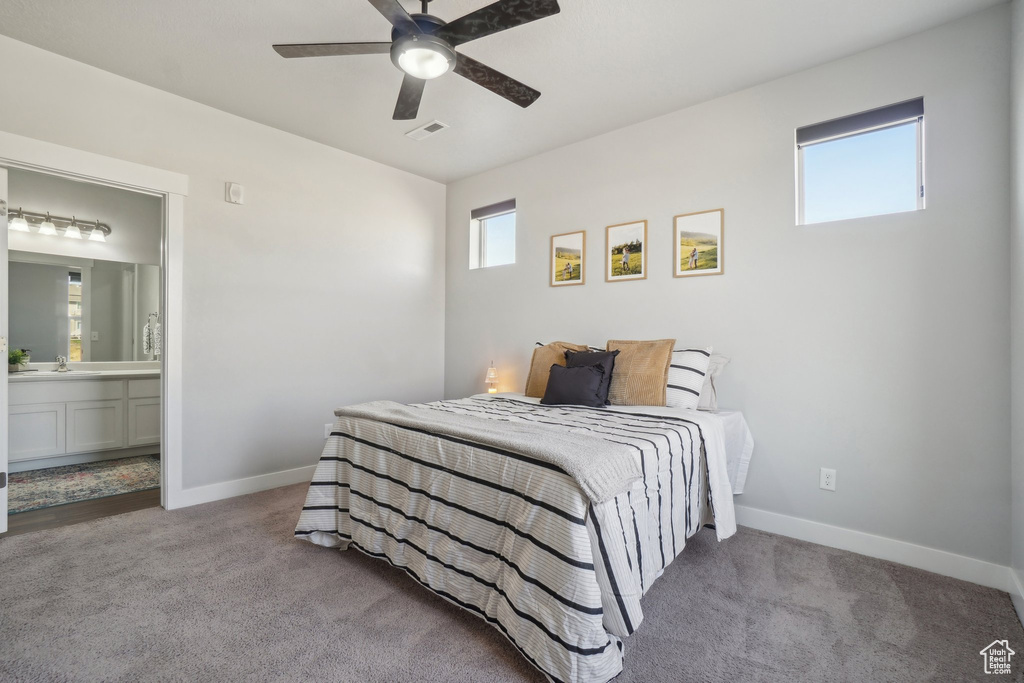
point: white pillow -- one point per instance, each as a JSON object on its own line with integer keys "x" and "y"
{"x": 686, "y": 374}
{"x": 708, "y": 393}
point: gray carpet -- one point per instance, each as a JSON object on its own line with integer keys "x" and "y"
{"x": 222, "y": 592}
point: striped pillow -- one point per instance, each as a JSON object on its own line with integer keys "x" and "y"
{"x": 686, "y": 377}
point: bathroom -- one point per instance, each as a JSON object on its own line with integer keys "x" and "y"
{"x": 84, "y": 349}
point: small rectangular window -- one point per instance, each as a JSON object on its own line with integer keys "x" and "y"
{"x": 492, "y": 235}
{"x": 866, "y": 164}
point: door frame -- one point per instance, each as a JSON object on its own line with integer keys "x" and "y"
{"x": 30, "y": 154}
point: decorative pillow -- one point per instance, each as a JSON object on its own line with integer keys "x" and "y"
{"x": 708, "y": 393}
{"x": 579, "y": 386}
{"x": 605, "y": 359}
{"x": 641, "y": 372}
{"x": 686, "y": 377}
{"x": 544, "y": 356}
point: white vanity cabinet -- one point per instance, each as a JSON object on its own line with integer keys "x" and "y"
{"x": 70, "y": 416}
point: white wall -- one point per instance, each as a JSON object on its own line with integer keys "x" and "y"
{"x": 1017, "y": 295}
{"x": 135, "y": 219}
{"x": 290, "y": 309}
{"x": 875, "y": 346}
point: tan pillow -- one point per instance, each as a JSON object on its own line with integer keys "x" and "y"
{"x": 641, "y": 372}
{"x": 540, "y": 367}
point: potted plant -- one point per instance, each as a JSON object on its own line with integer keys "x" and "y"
{"x": 15, "y": 359}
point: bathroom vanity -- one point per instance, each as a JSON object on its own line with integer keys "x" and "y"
{"x": 82, "y": 416}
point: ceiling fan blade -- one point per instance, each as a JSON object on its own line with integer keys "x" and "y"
{"x": 331, "y": 49}
{"x": 409, "y": 98}
{"x": 396, "y": 14}
{"x": 501, "y": 15}
{"x": 495, "y": 81}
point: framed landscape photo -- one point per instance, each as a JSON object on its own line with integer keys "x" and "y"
{"x": 625, "y": 251}
{"x": 698, "y": 240}
{"x": 568, "y": 254}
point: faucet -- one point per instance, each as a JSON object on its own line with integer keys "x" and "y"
{"x": 62, "y": 364}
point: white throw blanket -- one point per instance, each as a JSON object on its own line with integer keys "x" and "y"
{"x": 602, "y": 469}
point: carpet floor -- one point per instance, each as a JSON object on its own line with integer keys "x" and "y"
{"x": 51, "y": 486}
{"x": 223, "y": 592}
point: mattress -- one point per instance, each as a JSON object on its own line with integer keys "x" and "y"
{"x": 517, "y": 542}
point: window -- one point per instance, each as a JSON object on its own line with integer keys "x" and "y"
{"x": 492, "y": 235}
{"x": 867, "y": 164}
{"x": 74, "y": 316}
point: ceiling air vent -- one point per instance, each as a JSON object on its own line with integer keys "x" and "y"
{"x": 427, "y": 130}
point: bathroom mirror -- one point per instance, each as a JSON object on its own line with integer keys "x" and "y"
{"x": 85, "y": 309}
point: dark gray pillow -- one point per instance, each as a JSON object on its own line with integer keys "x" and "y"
{"x": 604, "y": 359}
{"x": 575, "y": 386}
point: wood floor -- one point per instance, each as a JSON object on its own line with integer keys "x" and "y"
{"x": 76, "y": 513}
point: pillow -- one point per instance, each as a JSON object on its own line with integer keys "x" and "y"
{"x": 641, "y": 372}
{"x": 605, "y": 359}
{"x": 686, "y": 375}
{"x": 575, "y": 386}
{"x": 708, "y": 393}
{"x": 544, "y": 356}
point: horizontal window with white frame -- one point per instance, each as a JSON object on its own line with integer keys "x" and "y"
{"x": 865, "y": 164}
{"x": 492, "y": 235}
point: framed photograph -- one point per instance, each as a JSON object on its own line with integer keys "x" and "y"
{"x": 698, "y": 239}
{"x": 568, "y": 258}
{"x": 626, "y": 251}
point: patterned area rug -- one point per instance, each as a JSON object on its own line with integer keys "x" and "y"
{"x": 73, "y": 483}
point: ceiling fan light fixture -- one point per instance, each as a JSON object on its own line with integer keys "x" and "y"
{"x": 422, "y": 56}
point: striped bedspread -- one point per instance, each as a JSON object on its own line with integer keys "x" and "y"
{"x": 514, "y": 539}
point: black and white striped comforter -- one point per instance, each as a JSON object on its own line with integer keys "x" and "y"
{"x": 515, "y": 540}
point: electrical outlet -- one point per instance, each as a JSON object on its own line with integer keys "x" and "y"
{"x": 827, "y": 480}
{"x": 327, "y": 430}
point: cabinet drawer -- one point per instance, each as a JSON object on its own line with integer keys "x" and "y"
{"x": 143, "y": 388}
{"x": 143, "y": 421}
{"x": 64, "y": 390}
{"x": 36, "y": 431}
{"x": 95, "y": 425}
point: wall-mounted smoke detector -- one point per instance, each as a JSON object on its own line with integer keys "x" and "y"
{"x": 425, "y": 131}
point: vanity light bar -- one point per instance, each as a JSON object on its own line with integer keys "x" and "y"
{"x": 20, "y": 220}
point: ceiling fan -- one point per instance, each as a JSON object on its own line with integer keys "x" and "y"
{"x": 423, "y": 47}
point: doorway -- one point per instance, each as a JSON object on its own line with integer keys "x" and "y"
{"x": 96, "y": 428}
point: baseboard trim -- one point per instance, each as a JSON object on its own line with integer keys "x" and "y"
{"x": 239, "y": 487}
{"x": 1017, "y": 593}
{"x": 922, "y": 557}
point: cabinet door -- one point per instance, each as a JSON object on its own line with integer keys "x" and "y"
{"x": 143, "y": 421}
{"x": 36, "y": 431}
{"x": 95, "y": 425}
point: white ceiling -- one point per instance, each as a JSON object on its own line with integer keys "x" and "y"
{"x": 600, "y": 64}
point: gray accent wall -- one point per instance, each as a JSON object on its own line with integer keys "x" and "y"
{"x": 38, "y": 314}
{"x": 876, "y": 346}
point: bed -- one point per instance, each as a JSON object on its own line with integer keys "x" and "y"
{"x": 480, "y": 501}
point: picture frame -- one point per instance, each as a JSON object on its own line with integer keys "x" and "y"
{"x": 568, "y": 259}
{"x": 699, "y": 239}
{"x": 625, "y": 251}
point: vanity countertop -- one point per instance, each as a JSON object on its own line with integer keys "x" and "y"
{"x": 50, "y": 375}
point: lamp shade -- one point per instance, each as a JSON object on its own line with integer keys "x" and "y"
{"x": 18, "y": 224}
{"x": 492, "y": 375}
{"x": 73, "y": 231}
{"x": 47, "y": 227}
{"x": 96, "y": 235}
